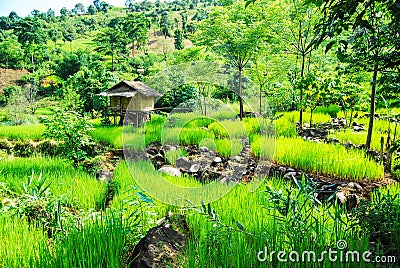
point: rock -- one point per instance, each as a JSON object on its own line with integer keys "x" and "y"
{"x": 166, "y": 147}
{"x": 358, "y": 187}
{"x": 162, "y": 246}
{"x": 194, "y": 168}
{"x": 237, "y": 158}
{"x": 152, "y": 150}
{"x": 105, "y": 176}
{"x": 217, "y": 160}
{"x": 342, "y": 197}
{"x": 158, "y": 158}
{"x": 171, "y": 171}
{"x": 282, "y": 170}
{"x": 203, "y": 149}
{"x": 350, "y": 185}
{"x": 333, "y": 140}
{"x": 358, "y": 128}
{"x": 352, "y": 201}
{"x": 348, "y": 145}
{"x": 289, "y": 175}
{"x": 290, "y": 170}
{"x": 183, "y": 163}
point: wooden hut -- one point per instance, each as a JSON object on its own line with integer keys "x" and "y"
{"x": 132, "y": 102}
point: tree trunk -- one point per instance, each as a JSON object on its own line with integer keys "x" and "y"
{"x": 240, "y": 94}
{"x": 205, "y": 106}
{"x": 303, "y": 61}
{"x": 112, "y": 61}
{"x": 260, "y": 99}
{"x": 372, "y": 106}
{"x": 133, "y": 48}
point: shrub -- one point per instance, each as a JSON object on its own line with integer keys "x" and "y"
{"x": 73, "y": 130}
{"x": 380, "y": 218}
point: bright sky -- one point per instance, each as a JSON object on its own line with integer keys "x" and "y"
{"x": 24, "y": 7}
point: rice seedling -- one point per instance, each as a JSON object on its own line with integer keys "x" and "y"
{"x": 193, "y": 136}
{"x": 229, "y": 129}
{"x": 263, "y": 147}
{"x": 325, "y": 159}
{"x": 257, "y": 220}
{"x": 108, "y": 135}
{"x": 209, "y": 143}
{"x": 19, "y": 242}
{"x": 227, "y": 148}
{"x": 99, "y": 242}
{"x": 22, "y": 132}
{"x": 359, "y": 138}
{"x": 79, "y": 187}
{"x": 172, "y": 155}
{"x": 170, "y": 136}
{"x": 285, "y": 128}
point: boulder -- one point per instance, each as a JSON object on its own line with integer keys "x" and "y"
{"x": 217, "y": 160}
{"x": 194, "y": 168}
{"x": 290, "y": 175}
{"x": 171, "y": 171}
{"x": 105, "y": 176}
{"x": 183, "y": 163}
{"x": 203, "y": 149}
{"x": 162, "y": 246}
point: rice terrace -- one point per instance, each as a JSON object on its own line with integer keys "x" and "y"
{"x": 212, "y": 133}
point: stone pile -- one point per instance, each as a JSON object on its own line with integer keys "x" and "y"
{"x": 347, "y": 193}
{"x": 205, "y": 165}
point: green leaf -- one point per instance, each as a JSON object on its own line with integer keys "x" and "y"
{"x": 329, "y": 46}
{"x": 240, "y": 226}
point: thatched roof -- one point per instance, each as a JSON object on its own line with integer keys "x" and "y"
{"x": 130, "y": 89}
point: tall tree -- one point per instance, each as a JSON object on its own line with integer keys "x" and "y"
{"x": 79, "y": 9}
{"x": 64, "y": 13}
{"x": 166, "y": 24}
{"x": 136, "y": 27}
{"x": 178, "y": 36}
{"x": 374, "y": 43}
{"x": 111, "y": 42}
{"x": 31, "y": 34}
{"x": 11, "y": 53}
{"x": 236, "y": 33}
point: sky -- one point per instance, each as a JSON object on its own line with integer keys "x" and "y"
{"x": 24, "y": 7}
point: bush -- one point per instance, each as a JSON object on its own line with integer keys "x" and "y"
{"x": 73, "y": 130}
{"x": 380, "y": 218}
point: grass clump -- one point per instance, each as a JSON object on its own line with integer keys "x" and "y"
{"x": 359, "y": 138}
{"x": 79, "y": 187}
{"x": 22, "y": 132}
{"x": 325, "y": 159}
{"x": 227, "y": 148}
{"x": 109, "y": 135}
{"x": 19, "y": 242}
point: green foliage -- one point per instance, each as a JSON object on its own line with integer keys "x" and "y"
{"x": 380, "y": 218}
{"x": 180, "y": 97}
{"x": 11, "y": 53}
{"x": 89, "y": 81}
{"x": 178, "y": 36}
{"x": 73, "y": 130}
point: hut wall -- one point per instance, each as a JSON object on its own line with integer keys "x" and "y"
{"x": 139, "y": 102}
{"x": 115, "y": 102}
